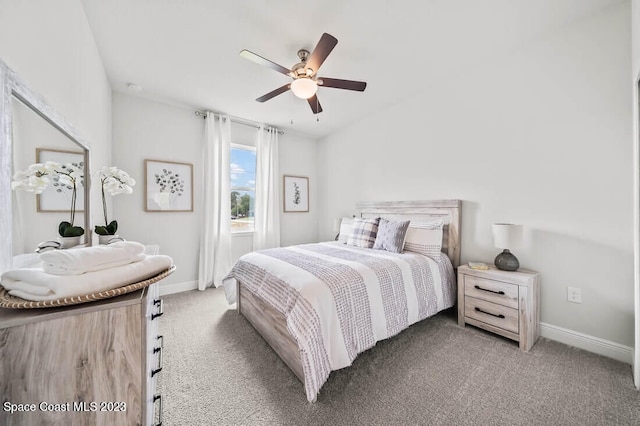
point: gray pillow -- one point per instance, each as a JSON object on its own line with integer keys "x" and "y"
{"x": 391, "y": 235}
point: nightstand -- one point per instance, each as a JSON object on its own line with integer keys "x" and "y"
{"x": 502, "y": 302}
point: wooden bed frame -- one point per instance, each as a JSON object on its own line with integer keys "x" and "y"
{"x": 272, "y": 325}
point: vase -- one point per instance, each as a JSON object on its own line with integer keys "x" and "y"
{"x": 506, "y": 261}
{"x": 108, "y": 239}
{"x": 68, "y": 242}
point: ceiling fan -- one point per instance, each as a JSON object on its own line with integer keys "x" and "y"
{"x": 305, "y": 78}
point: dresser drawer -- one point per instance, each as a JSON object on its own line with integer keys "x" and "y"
{"x": 492, "y": 291}
{"x": 492, "y": 313}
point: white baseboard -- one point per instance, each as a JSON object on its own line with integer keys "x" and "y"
{"x": 588, "y": 343}
{"x": 178, "y": 287}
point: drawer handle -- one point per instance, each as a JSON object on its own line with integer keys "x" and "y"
{"x": 157, "y": 350}
{"x": 490, "y": 291}
{"x": 489, "y": 313}
{"x": 161, "y": 339}
{"x": 158, "y": 398}
{"x": 160, "y": 304}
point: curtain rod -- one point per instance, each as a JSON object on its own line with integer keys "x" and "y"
{"x": 244, "y": 122}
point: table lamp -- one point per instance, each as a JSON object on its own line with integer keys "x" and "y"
{"x": 507, "y": 236}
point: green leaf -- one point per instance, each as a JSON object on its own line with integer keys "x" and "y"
{"x": 112, "y": 227}
{"x": 73, "y": 231}
{"x": 62, "y": 227}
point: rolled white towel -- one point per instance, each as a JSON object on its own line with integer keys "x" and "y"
{"x": 88, "y": 259}
{"x": 35, "y": 284}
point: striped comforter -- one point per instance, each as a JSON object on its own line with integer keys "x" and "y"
{"x": 340, "y": 300}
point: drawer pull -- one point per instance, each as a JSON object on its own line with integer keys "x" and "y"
{"x": 490, "y": 291}
{"x": 160, "y": 304}
{"x": 158, "y": 398}
{"x": 157, "y": 350}
{"x": 489, "y": 313}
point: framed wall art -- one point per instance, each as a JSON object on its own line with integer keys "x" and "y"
{"x": 57, "y": 195}
{"x": 296, "y": 194}
{"x": 168, "y": 186}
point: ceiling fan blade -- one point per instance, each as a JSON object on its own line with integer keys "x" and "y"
{"x": 343, "y": 84}
{"x": 321, "y": 51}
{"x": 264, "y": 62}
{"x": 314, "y": 104}
{"x": 274, "y": 93}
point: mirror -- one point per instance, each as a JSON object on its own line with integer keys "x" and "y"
{"x": 32, "y": 132}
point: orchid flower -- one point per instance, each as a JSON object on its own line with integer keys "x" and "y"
{"x": 112, "y": 181}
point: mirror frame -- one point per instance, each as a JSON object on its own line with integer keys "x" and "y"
{"x": 11, "y": 85}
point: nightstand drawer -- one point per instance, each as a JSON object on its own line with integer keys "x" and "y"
{"x": 492, "y": 291}
{"x": 491, "y": 313}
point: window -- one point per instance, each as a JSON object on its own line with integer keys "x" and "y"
{"x": 243, "y": 187}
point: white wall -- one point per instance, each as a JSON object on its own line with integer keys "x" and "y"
{"x": 298, "y": 157}
{"x": 635, "y": 36}
{"x": 146, "y": 129}
{"x": 50, "y": 45}
{"x": 635, "y": 59}
{"x": 541, "y": 137}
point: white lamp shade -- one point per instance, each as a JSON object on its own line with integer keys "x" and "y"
{"x": 304, "y": 87}
{"x": 507, "y": 235}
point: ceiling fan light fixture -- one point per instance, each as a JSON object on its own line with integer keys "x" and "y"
{"x": 304, "y": 87}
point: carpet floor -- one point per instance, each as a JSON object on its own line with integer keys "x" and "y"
{"x": 219, "y": 371}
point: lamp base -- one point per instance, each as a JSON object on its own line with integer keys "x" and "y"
{"x": 506, "y": 261}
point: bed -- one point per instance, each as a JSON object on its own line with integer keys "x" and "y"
{"x": 320, "y": 305}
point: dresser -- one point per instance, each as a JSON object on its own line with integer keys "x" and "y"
{"x": 502, "y": 302}
{"x": 90, "y": 364}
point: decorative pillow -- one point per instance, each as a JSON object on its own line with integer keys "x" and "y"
{"x": 363, "y": 232}
{"x": 391, "y": 235}
{"x": 424, "y": 241}
{"x": 346, "y": 227}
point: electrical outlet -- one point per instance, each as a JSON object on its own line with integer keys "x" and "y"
{"x": 574, "y": 294}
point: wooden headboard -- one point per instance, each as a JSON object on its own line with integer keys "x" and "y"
{"x": 447, "y": 210}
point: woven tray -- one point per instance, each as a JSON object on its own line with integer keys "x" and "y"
{"x": 13, "y": 302}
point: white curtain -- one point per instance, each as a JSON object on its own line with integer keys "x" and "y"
{"x": 215, "y": 242}
{"x": 267, "y": 205}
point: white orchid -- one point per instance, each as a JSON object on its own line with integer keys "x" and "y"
{"x": 113, "y": 181}
{"x": 39, "y": 175}
{"x": 35, "y": 179}
{"x": 116, "y": 181}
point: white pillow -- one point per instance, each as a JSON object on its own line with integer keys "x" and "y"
{"x": 346, "y": 229}
{"x": 424, "y": 241}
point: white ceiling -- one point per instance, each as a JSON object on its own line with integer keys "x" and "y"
{"x": 187, "y": 51}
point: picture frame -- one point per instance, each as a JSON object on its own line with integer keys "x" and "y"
{"x": 56, "y": 198}
{"x": 168, "y": 186}
{"x": 295, "y": 194}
